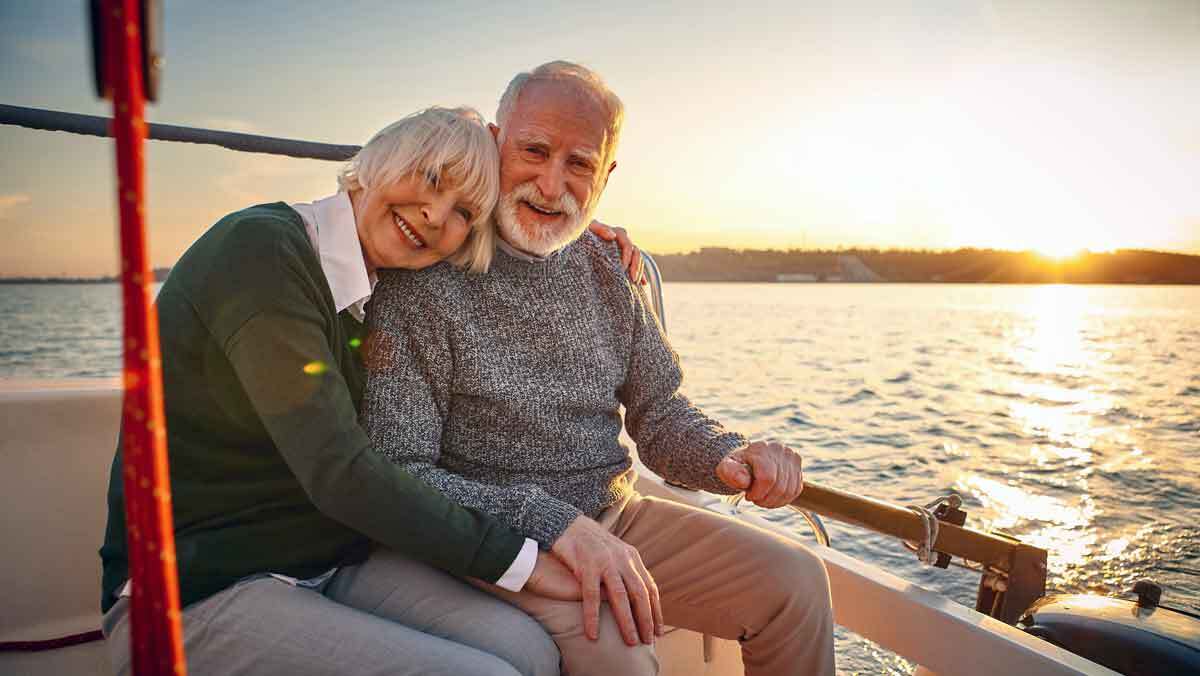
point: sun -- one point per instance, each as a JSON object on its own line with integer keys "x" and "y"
{"x": 1059, "y": 251}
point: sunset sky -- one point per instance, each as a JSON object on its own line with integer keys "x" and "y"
{"x": 1027, "y": 125}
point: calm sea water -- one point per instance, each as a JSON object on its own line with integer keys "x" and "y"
{"x": 1068, "y": 416}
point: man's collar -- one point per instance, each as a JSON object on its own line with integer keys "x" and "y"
{"x": 518, "y": 254}
{"x": 340, "y": 252}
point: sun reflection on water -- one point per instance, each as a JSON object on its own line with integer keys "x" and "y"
{"x": 1048, "y": 343}
{"x": 1051, "y": 338}
{"x": 1063, "y": 528}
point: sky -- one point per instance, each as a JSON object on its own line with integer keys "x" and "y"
{"x": 1054, "y": 126}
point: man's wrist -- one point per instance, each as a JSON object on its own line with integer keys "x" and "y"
{"x": 552, "y": 518}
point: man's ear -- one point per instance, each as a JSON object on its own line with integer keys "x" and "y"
{"x": 495, "y": 132}
{"x": 611, "y": 168}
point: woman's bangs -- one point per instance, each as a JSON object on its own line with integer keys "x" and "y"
{"x": 470, "y": 162}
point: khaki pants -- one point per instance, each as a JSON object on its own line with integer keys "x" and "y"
{"x": 716, "y": 575}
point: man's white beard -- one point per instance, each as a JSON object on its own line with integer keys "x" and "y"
{"x": 539, "y": 240}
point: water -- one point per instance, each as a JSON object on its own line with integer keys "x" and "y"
{"x": 1068, "y": 416}
{"x": 60, "y": 330}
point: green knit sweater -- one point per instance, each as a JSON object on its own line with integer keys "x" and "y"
{"x": 270, "y": 471}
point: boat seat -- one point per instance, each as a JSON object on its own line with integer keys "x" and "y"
{"x": 57, "y": 440}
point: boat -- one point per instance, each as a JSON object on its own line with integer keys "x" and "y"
{"x": 57, "y": 439}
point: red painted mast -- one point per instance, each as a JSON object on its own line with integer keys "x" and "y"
{"x": 157, "y": 645}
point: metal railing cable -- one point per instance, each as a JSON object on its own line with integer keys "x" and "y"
{"x": 95, "y": 125}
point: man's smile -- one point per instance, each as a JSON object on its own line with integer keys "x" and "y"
{"x": 541, "y": 210}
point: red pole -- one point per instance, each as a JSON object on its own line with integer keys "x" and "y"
{"x": 157, "y": 645}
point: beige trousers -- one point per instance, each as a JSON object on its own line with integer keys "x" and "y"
{"x": 716, "y": 575}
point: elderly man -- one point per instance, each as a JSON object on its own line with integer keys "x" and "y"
{"x": 503, "y": 390}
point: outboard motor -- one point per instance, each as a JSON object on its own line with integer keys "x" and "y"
{"x": 1136, "y": 639}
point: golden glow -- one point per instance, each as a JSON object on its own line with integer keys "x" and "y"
{"x": 1115, "y": 547}
{"x": 808, "y": 125}
{"x": 1050, "y": 341}
{"x": 1059, "y": 251}
{"x": 1063, "y": 528}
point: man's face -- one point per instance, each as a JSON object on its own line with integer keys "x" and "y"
{"x": 551, "y": 166}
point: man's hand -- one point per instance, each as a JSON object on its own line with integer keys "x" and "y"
{"x": 774, "y": 476}
{"x": 552, "y": 579}
{"x": 598, "y": 557}
{"x": 631, "y": 257}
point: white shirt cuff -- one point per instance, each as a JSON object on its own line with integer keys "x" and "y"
{"x": 520, "y": 569}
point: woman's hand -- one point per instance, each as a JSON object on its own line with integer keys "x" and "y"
{"x": 551, "y": 578}
{"x": 631, "y": 256}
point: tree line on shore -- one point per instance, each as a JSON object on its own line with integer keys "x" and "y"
{"x": 160, "y": 274}
{"x": 1127, "y": 266}
{"x": 719, "y": 264}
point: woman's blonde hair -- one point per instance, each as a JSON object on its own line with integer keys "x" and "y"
{"x": 452, "y": 143}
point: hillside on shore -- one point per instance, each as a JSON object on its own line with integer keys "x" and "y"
{"x": 715, "y": 264}
{"x": 160, "y": 274}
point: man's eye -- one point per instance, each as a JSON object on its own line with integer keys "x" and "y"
{"x": 535, "y": 150}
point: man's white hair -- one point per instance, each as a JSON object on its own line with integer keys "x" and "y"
{"x": 451, "y": 143}
{"x": 565, "y": 71}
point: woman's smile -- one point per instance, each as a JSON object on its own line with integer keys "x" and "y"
{"x": 413, "y": 236}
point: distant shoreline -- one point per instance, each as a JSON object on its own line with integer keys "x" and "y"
{"x": 72, "y": 281}
{"x": 43, "y": 281}
{"x": 160, "y": 274}
{"x": 961, "y": 266}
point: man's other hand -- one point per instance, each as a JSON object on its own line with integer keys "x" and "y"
{"x": 551, "y": 578}
{"x": 631, "y": 257}
{"x": 769, "y": 472}
{"x": 599, "y": 558}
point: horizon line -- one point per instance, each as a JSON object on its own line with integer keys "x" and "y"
{"x": 846, "y": 249}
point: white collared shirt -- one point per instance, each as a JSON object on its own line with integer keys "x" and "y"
{"x": 334, "y": 236}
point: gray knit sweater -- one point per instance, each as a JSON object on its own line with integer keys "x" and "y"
{"x": 503, "y": 389}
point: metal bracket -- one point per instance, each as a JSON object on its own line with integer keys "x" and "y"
{"x": 948, "y": 513}
{"x": 1006, "y": 599}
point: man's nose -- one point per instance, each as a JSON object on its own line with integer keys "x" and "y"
{"x": 551, "y": 181}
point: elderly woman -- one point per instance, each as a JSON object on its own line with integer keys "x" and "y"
{"x": 300, "y": 550}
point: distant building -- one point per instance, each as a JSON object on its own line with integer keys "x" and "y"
{"x": 796, "y": 277}
{"x": 854, "y": 270}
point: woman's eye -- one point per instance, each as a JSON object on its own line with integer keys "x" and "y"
{"x": 465, "y": 213}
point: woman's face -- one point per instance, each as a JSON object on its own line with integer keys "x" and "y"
{"x": 412, "y": 223}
